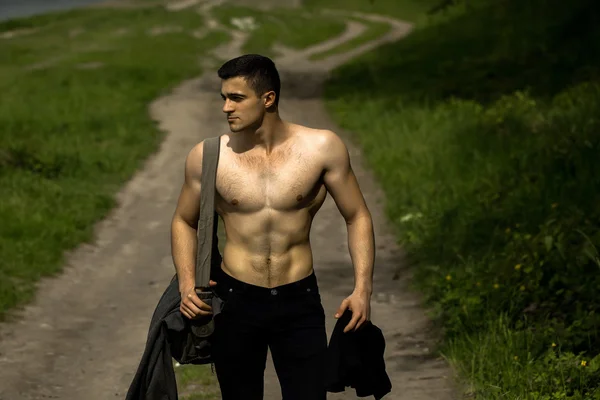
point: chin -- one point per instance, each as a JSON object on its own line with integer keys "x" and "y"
{"x": 236, "y": 128}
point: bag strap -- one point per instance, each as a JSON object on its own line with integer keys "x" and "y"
{"x": 208, "y": 219}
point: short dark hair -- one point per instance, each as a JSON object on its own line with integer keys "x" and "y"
{"x": 259, "y": 71}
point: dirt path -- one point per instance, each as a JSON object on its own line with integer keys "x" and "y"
{"x": 84, "y": 334}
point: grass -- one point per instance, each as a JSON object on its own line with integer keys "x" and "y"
{"x": 284, "y": 26}
{"x": 197, "y": 382}
{"x": 481, "y": 127}
{"x": 374, "y": 30}
{"x": 407, "y": 10}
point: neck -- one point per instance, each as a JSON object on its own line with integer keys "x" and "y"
{"x": 272, "y": 132}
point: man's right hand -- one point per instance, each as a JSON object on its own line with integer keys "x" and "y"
{"x": 191, "y": 305}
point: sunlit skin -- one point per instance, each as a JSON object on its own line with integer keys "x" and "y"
{"x": 272, "y": 178}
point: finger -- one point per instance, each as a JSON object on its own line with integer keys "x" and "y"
{"x": 352, "y": 322}
{"x": 342, "y": 308}
{"x": 212, "y": 283}
{"x": 192, "y": 308}
{"x": 195, "y": 301}
{"x": 201, "y": 305}
{"x": 185, "y": 312}
{"x": 361, "y": 323}
{"x": 196, "y": 314}
{"x": 198, "y": 309}
{"x": 203, "y": 314}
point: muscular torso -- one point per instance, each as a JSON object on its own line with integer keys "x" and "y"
{"x": 267, "y": 204}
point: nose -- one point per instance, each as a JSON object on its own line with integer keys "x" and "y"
{"x": 228, "y": 106}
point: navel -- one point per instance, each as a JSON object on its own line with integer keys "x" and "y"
{"x": 299, "y": 197}
{"x": 268, "y": 260}
{"x": 235, "y": 202}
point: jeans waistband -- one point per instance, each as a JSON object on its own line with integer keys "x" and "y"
{"x": 227, "y": 283}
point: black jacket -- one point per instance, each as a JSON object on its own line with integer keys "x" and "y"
{"x": 355, "y": 359}
{"x": 155, "y": 376}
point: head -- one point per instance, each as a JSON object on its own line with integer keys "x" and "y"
{"x": 250, "y": 89}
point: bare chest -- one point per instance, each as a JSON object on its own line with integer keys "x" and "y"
{"x": 285, "y": 181}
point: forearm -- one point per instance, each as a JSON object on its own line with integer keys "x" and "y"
{"x": 361, "y": 243}
{"x": 183, "y": 250}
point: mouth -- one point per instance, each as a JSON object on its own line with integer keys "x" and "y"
{"x": 231, "y": 118}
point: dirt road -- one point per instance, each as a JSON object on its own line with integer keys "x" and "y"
{"x": 84, "y": 334}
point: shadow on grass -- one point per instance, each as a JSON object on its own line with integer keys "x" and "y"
{"x": 492, "y": 50}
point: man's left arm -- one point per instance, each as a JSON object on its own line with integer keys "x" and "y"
{"x": 341, "y": 183}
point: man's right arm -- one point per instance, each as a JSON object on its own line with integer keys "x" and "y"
{"x": 184, "y": 226}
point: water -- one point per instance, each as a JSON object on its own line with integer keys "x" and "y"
{"x": 25, "y": 8}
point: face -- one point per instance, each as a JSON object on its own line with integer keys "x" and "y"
{"x": 244, "y": 108}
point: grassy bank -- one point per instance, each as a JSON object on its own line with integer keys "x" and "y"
{"x": 482, "y": 129}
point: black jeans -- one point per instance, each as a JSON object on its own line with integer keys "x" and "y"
{"x": 288, "y": 319}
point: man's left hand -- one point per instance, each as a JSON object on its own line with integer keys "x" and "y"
{"x": 360, "y": 305}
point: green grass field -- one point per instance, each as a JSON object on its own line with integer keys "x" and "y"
{"x": 373, "y": 31}
{"x": 407, "y": 10}
{"x": 283, "y": 26}
{"x": 481, "y": 126}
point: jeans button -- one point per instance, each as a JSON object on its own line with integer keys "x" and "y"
{"x": 274, "y": 292}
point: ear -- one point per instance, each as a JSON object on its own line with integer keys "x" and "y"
{"x": 269, "y": 99}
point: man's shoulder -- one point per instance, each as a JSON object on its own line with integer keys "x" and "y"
{"x": 193, "y": 161}
{"x": 324, "y": 146}
{"x": 320, "y": 139}
{"x": 197, "y": 151}
{"x": 329, "y": 144}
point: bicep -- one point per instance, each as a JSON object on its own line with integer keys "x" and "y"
{"x": 188, "y": 204}
{"x": 340, "y": 179}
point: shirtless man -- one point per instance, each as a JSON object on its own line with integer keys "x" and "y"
{"x": 272, "y": 178}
